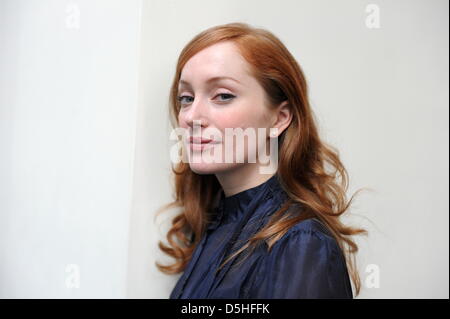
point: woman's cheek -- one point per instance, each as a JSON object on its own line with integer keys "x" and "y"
{"x": 236, "y": 118}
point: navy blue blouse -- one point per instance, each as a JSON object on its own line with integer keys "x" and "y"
{"x": 305, "y": 263}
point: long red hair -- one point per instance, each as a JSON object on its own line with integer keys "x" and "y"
{"x": 309, "y": 169}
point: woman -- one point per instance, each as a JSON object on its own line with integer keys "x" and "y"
{"x": 243, "y": 233}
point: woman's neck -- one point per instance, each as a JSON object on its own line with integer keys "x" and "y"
{"x": 241, "y": 178}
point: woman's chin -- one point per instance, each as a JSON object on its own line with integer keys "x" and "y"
{"x": 203, "y": 168}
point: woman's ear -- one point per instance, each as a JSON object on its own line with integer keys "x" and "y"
{"x": 282, "y": 117}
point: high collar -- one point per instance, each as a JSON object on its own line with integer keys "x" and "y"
{"x": 231, "y": 208}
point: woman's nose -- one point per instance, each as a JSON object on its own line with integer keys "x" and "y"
{"x": 198, "y": 113}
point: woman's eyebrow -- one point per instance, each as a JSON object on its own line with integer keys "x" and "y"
{"x": 213, "y": 79}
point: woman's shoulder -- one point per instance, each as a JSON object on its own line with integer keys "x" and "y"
{"x": 311, "y": 233}
{"x": 311, "y": 226}
{"x": 306, "y": 262}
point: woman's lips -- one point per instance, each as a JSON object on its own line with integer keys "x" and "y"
{"x": 199, "y": 143}
{"x": 199, "y": 140}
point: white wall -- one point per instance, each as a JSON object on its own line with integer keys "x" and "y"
{"x": 381, "y": 97}
{"x": 68, "y": 98}
{"x": 84, "y": 134}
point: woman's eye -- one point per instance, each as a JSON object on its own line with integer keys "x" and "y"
{"x": 182, "y": 99}
{"x": 223, "y": 97}
{"x": 226, "y": 97}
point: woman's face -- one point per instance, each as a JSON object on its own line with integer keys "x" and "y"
{"x": 217, "y": 89}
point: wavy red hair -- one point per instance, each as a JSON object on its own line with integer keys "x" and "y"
{"x": 309, "y": 169}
